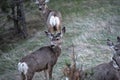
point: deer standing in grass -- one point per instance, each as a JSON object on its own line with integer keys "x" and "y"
{"x": 42, "y": 59}
{"x": 52, "y": 18}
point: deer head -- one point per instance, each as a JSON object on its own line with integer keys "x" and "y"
{"x": 42, "y": 4}
{"x": 56, "y": 39}
{"x": 114, "y": 46}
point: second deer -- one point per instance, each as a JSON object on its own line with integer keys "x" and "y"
{"x": 52, "y": 18}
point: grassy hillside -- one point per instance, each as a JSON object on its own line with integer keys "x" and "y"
{"x": 89, "y": 23}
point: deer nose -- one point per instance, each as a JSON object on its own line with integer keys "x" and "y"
{"x": 40, "y": 8}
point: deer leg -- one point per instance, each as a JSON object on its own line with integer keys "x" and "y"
{"x": 58, "y": 28}
{"x": 50, "y": 68}
{"x": 23, "y": 76}
{"x": 29, "y": 76}
{"x": 51, "y": 29}
{"x": 45, "y": 75}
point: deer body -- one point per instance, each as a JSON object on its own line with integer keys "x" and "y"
{"x": 54, "y": 22}
{"x": 104, "y": 71}
{"x": 52, "y": 18}
{"x": 42, "y": 59}
{"x": 110, "y": 70}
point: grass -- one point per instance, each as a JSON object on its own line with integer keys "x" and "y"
{"x": 89, "y": 23}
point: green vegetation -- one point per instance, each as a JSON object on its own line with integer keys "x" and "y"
{"x": 88, "y": 22}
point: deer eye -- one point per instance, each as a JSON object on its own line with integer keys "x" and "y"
{"x": 58, "y": 38}
{"x": 116, "y": 48}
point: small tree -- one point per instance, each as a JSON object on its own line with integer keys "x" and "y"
{"x": 17, "y": 14}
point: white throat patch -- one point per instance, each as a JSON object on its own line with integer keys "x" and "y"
{"x": 54, "y": 21}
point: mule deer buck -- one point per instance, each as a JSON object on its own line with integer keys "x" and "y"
{"x": 52, "y": 18}
{"x": 42, "y": 59}
{"x": 70, "y": 70}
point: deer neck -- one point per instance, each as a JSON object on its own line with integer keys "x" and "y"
{"x": 46, "y": 13}
{"x": 56, "y": 50}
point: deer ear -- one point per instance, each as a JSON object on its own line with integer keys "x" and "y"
{"x": 109, "y": 43}
{"x": 46, "y": 1}
{"x": 118, "y": 39}
{"x": 48, "y": 34}
{"x": 63, "y": 30}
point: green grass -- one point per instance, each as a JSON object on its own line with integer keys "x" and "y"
{"x": 88, "y": 22}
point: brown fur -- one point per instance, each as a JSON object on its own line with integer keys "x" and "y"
{"x": 47, "y": 14}
{"x": 107, "y": 71}
{"x": 43, "y": 59}
{"x": 104, "y": 71}
{"x": 57, "y": 28}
